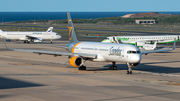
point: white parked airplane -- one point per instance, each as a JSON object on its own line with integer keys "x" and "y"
{"x": 28, "y": 37}
{"x": 79, "y": 52}
{"x": 140, "y": 41}
{"x": 142, "y": 44}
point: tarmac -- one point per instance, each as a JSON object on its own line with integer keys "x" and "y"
{"x": 26, "y": 76}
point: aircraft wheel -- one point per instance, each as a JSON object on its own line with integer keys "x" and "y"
{"x": 130, "y": 72}
{"x": 127, "y": 72}
{"x": 115, "y": 67}
{"x": 82, "y": 68}
{"x": 111, "y": 68}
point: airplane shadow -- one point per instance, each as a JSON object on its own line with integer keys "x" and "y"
{"x": 4, "y": 96}
{"x": 150, "y": 68}
{"x": 97, "y": 69}
{"x": 7, "y": 83}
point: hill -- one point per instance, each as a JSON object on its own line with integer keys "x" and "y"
{"x": 126, "y": 19}
{"x": 149, "y": 14}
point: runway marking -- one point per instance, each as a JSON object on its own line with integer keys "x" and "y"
{"x": 3, "y": 56}
{"x": 62, "y": 63}
{"x": 175, "y": 84}
{"x": 160, "y": 74}
{"x": 84, "y": 72}
{"x": 165, "y": 82}
{"x": 22, "y": 64}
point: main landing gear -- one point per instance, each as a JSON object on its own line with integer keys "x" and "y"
{"x": 129, "y": 71}
{"x": 82, "y": 68}
{"x": 113, "y": 67}
{"x": 26, "y": 42}
{"x": 51, "y": 41}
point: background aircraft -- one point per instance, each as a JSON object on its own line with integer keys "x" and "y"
{"x": 28, "y": 37}
{"x": 142, "y": 41}
{"x": 79, "y": 52}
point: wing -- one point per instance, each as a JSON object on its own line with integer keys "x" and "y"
{"x": 31, "y": 37}
{"x": 55, "y": 53}
{"x": 34, "y": 39}
{"x": 55, "y": 46}
{"x": 159, "y": 50}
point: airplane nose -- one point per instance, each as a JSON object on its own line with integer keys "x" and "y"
{"x": 59, "y": 36}
{"x": 137, "y": 58}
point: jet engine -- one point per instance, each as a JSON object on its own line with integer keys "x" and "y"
{"x": 140, "y": 43}
{"x": 37, "y": 40}
{"x": 22, "y": 39}
{"x": 76, "y": 61}
{"x": 134, "y": 64}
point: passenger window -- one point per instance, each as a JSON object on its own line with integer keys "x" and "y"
{"x": 133, "y": 52}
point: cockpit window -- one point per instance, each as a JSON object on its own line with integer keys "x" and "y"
{"x": 133, "y": 52}
{"x": 138, "y": 52}
{"x": 128, "y": 52}
{"x": 57, "y": 34}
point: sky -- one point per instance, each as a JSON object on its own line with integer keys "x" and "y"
{"x": 89, "y": 5}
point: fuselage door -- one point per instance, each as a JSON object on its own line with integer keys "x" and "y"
{"x": 122, "y": 53}
{"x": 52, "y": 35}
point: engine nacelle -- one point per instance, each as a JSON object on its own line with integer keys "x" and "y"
{"x": 140, "y": 43}
{"x": 134, "y": 64}
{"x": 76, "y": 61}
{"x": 22, "y": 39}
{"x": 37, "y": 40}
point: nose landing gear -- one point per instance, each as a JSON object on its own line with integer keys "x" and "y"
{"x": 129, "y": 71}
{"x": 26, "y": 41}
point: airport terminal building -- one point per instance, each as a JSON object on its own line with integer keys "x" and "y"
{"x": 145, "y": 21}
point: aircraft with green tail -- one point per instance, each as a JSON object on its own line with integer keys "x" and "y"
{"x": 142, "y": 40}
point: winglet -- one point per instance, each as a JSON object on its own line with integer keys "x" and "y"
{"x": 72, "y": 34}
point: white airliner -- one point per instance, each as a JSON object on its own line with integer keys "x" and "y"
{"x": 142, "y": 44}
{"x": 140, "y": 41}
{"x": 28, "y": 37}
{"x": 79, "y": 52}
